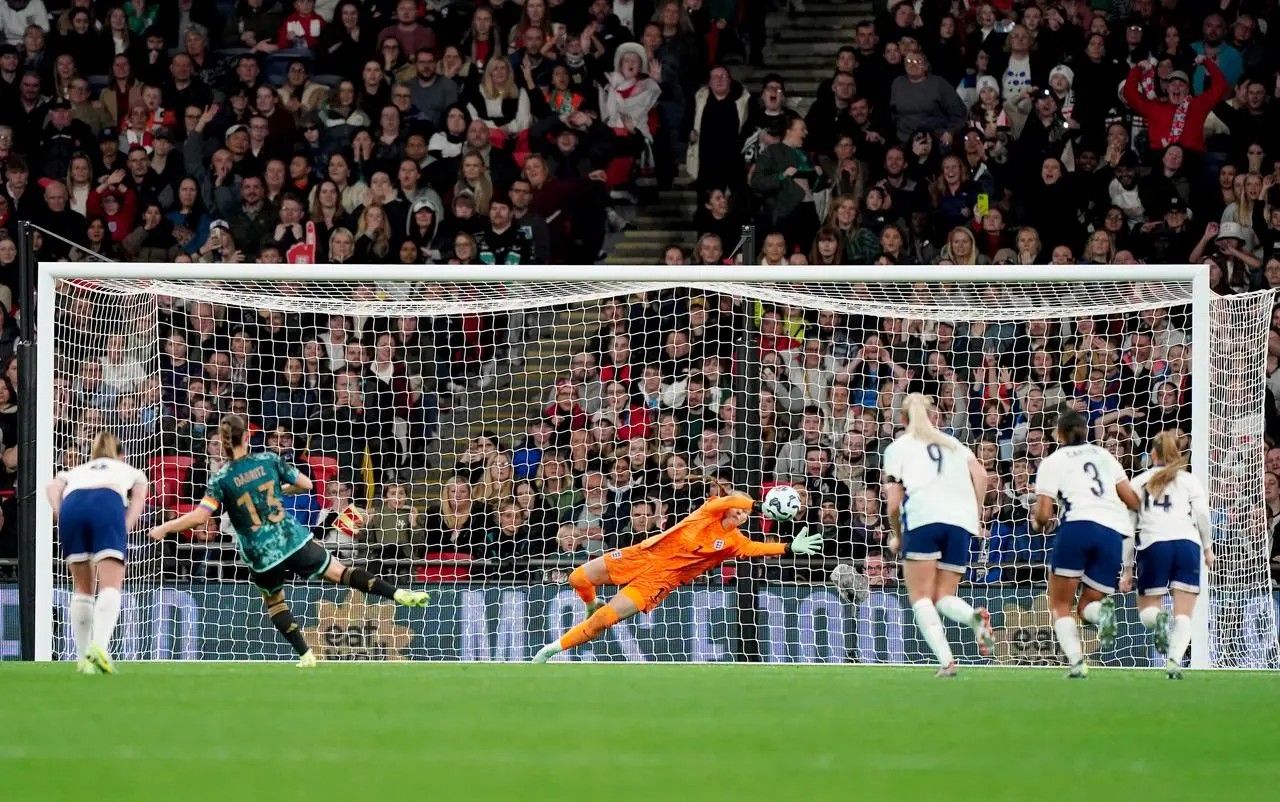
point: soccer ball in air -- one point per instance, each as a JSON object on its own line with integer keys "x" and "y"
{"x": 781, "y": 503}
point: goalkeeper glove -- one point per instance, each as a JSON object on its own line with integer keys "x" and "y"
{"x": 805, "y": 543}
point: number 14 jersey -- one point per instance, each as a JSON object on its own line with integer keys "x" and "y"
{"x": 1083, "y": 479}
{"x": 249, "y": 491}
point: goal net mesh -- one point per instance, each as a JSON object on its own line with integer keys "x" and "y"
{"x": 480, "y": 440}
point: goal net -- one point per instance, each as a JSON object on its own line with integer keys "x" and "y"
{"x": 481, "y": 438}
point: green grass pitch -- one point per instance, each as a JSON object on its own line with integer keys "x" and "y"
{"x": 392, "y": 732}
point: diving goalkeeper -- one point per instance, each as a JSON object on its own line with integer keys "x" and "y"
{"x": 649, "y": 570}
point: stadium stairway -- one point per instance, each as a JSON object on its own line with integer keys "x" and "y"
{"x": 523, "y": 379}
{"x": 801, "y": 49}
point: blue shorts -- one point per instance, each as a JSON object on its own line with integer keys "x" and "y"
{"x": 91, "y": 525}
{"x": 1169, "y": 564}
{"x": 1089, "y": 551}
{"x": 946, "y": 543}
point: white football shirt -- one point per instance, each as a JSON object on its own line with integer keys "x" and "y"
{"x": 936, "y": 481}
{"x": 1083, "y": 480}
{"x": 103, "y": 473}
{"x": 1177, "y": 514}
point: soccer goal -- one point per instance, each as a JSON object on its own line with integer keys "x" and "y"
{"x": 479, "y": 431}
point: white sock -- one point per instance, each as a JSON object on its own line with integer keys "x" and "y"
{"x": 931, "y": 626}
{"x": 81, "y": 622}
{"x": 1091, "y": 612}
{"x": 955, "y": 608}
{"x": 105, "y": 614}
{"x": 1180, "y": 638}
{"x": 1148, "y": 616}
{"x": 1068, "y": 638}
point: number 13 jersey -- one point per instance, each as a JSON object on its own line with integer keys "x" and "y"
{"x": 1083, "y": 479}
{"x": 248, "y": 490}
{"x": 936, "y": 481}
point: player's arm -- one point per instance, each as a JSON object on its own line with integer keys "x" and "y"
{"x": 1126, "y": 493}
{"x": 733, "y": 501}
{"x": 196, "y": 518}
{"x": 894, "y": 495}
{"x": 1203, "y": 523}
{"x": 1042, "y": 516}
{"x": 301, "y": 484}
{"x": 292, "y": 480}
{"x": 1042, "y": 513}
{"x": 978, "y": 476}
{"x": 1126, "y": 563}
{"x": 803, "y": 543}
{"x": 54, "y": 493}
{"x": 137, "y": 503}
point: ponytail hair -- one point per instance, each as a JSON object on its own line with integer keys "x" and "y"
{"x": 916, "y": 409}
{"x": 231, "y": 430}
{"x": 105, "y": 444}
{"x": 1166, "y": 450}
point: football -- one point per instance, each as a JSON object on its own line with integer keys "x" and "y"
{"x": 781, "y": 503}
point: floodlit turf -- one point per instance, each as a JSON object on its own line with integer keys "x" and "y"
{"x": 385, "y": 733}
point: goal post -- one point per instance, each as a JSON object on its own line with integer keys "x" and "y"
{"x": 540, "y": 308}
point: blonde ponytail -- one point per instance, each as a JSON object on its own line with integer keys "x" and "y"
{"x": 105, "y": 444}
{"x": 1166, "y": 451}
{"x": 916, "y": 409}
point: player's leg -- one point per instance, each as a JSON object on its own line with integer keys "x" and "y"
{"x": 921, "y": 552}
{"x": 585, "y": 578}
{"x": 920, "y": 576}
{"x": 1184, "y": 585}
{"x": 365, "y": 582}
{"x": 81, "y": 613}
{"x": 109, "y": 540}
{"x": 1101, "y": 574}
{"x": 1153, "y": 585}
{"x": 627, "y": 603}
{"x": 75, "y": 536}
{"x": 284, "y": 622}
{"x": 1184, "y": 602}
{"x": 106, "y": 611}
{"x": 951, "y": 569}
{"x": 1062, "y": 597}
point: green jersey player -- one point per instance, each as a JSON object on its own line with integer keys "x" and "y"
{"x": 274, "y": 544}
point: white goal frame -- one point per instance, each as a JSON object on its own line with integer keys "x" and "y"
{"x": 49, "y": 273}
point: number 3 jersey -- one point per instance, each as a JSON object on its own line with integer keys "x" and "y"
{"x": 936, "y": 480}
{"x": 249, "y": 491}
{"x": 1083, "y": 480}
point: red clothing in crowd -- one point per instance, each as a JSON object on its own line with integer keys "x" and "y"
{"x": 1160, "y": 114}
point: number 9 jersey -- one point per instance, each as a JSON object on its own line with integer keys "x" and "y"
{"x": 935, "y": 480}
{"x": 1083, "y": 479}
{"x": 249, "y": 491}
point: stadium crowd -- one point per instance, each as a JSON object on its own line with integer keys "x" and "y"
{"x": 399, "y": 131}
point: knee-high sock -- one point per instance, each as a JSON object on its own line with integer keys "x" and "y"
{"x": 286, "y": 625}
{"x": 1148, "y": 616}
{"x": 106, "y": 611}
{"x": 1069, "y": 638}
{"x": 81, "y": 622}
{"x": 1091, "y": 612}
{"x": 590, "y": 629}
{"x": 931, "y": 627}
{"x": 366, "y": 582}
{"x": 955, "y": 608}
{"x": 582, "y": 586}
{"x": 1180, "y": 638}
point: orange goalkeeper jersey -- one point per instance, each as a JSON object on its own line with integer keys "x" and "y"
{"x": 699, "y": 542}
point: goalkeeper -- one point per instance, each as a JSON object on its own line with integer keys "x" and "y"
{"x": 649, "y": 570}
